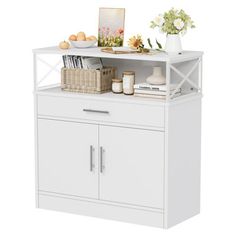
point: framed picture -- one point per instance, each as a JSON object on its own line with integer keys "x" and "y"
{"x": 111, "y": 27}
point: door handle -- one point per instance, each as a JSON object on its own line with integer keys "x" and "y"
{"x": 96, "y": 111}
{"x": 91, "y": 165}
{"x": 101, "y": 160}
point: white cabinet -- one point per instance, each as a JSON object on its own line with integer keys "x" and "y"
{"x": 128, "y": 164}
{"x": 66, "y": 154}
{"x": 132, "y": 166}
{"x": 120, "y": 157}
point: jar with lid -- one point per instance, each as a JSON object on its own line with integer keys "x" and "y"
{"x": 117, "y": 86}
{"x": 128, "y": 82}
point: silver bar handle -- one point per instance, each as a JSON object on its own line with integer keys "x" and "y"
{"x": 91, "y": 158}
{"x": 96, "y": 111}
{"x": 101, "y": 160}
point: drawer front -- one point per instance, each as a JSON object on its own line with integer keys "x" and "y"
{"x": 104, "y": 111}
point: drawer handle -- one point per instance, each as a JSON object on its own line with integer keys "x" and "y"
{"x": 96, "y": 111}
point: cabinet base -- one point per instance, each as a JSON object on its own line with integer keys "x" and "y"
{"x": 102, "y": 210}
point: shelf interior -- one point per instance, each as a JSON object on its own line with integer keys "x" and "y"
{"x": 49, "y": 73}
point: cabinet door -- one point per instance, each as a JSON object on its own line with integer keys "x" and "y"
{"x": 66, "y": 152}
{"x": 132, "y": 161}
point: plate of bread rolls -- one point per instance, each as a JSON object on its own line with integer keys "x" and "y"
{"x": 82, "y": 41}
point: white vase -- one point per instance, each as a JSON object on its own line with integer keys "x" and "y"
{"x": 156, "y": 77}
{"x": 173, "y": 44}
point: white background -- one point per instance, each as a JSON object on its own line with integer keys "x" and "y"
{"x": 29, "y": 24}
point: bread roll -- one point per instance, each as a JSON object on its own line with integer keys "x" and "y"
{"x": 81, "y": 36}
{"x": 73, "y": 37}
{"x": 93, "y": 37}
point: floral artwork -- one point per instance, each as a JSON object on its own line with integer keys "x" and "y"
{"x": 173, "y": 22}
{"x": 111, "y": 27}
{"x": 110, "y": 38}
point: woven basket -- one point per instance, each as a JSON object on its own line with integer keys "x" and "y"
{"x": 87, "y": 81}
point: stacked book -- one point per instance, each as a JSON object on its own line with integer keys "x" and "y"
{"x": 154, "y": 91}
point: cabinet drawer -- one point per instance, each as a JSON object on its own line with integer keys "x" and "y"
{"x": 104, "y": 111}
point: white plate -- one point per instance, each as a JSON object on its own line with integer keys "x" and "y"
{"x": 83, "y": 44}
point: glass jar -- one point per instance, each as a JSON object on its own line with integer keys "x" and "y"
{"x": 117, "y": 86}
{"x": 128, "y": 82}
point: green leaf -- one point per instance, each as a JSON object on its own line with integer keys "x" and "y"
{"x": 158, "y": 44}
{"x": 149, "y": 42}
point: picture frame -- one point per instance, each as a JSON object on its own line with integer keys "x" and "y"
{"x": 111, "y": 27}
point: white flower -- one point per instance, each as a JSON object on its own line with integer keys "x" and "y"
{"x": 179, "y": 24}
{"x": 159, "y": 20}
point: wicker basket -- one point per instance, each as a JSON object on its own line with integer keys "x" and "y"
{"x": 87, "y": 81}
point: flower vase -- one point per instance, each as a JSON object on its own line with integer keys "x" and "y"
{"x": 156, "y": 78}
{"x": 173, "y": 44}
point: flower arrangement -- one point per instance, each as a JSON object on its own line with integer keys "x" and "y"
{"x": 173, "y": 22}
{"x": 110, "y": 38}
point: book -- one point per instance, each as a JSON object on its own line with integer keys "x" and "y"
{"x": 64, "y": 60}
{"x": 119, "y": 50}
{"x": 162, "y": 87}
{"x": 72, "y": 61}
{"x": 150, "y": 96}
{"x": 127, "y": 49}
{"x": 154, "y": 96}
{"x": 91, "y": 63}
{"x": 68, "y": 58}
{"x": 153, "y": 92}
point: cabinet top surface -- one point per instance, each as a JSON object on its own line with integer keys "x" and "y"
{"x": 96, "y": 52}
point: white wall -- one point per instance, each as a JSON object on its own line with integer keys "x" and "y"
{"x": 28, "y": 24}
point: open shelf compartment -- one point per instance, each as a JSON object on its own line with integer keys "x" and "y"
{"x": 184, "y": 70}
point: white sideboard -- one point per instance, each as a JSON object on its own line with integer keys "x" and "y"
{"x": 115, "y": 156}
